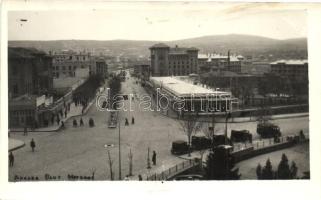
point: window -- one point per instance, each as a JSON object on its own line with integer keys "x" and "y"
{"x": 64, "y": 67}
{"x": 69, "y": 67}
{"x": 15, "y": 89}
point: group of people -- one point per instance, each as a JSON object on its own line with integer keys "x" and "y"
{"x": 81, "y": 122}
{"x": 11, "y": 156}
{"x": 127, "y": 123}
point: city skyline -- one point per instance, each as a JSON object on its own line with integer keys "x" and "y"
{"x": 155, "y": 24}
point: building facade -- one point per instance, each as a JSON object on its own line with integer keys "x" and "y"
{"x": 217, "y": 62}
{"x": 177, "y": 61}
{"x": 29, "y": 71}
{"x": 99, "y": 66}
{"x": 294, "y": 69}
{"x": 71, "y": 64}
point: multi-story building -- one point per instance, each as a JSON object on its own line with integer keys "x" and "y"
{"x": 99, "y": 66}
{"x": 67, "y": 63}
{"x": 177, "y": 61}
{"x": 294, "y": 69}
{"x": 29, "y": 71}
{"x": 216, "y": 62}
{"x": 30, "y": 85}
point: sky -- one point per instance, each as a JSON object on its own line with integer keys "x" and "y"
{"x": 160, "y": 23}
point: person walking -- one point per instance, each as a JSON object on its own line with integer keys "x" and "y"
{"x": 154, "y": 158}
{"x": 81, "y": 122}
{"x": 32, "y": 145}
{"x": 25, "y": 131}
{"x": 133, "y": 120}
{"x": 140, "y": 178}
{"x": 11, "y": 159}
{"x": 74, "y": 123}
{"x": 126, "y": 122}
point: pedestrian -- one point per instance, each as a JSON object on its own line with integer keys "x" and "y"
{"x": 133, "y": 120}
{"x": 32, "y": 145}
{"x": 52, "y": 119}
{"x": 11, "y": 159}
{"x": 81, "y": 122}
{"x": 62, "y": 124}
{"x": 126, "y": 178}
{"x": 25, "y": 131}
{"x": 57, "y": 120}
{"x": 74, "y": 123}
{"x": 154, "y": 158}
{"x": 140, "y": 177}
{"x": 66, "y": 113}
{"x": 126, "y": 122}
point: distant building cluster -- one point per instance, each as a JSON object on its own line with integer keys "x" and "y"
{"x": 73, "y": 64}
{"x": 177, "y": 61}
{"x": 294, "y": 69}
{"x": 218, "y": 62}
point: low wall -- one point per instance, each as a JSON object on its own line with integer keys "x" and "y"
{"x": 251, "y": 152}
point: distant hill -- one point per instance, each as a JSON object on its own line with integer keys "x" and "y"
{"x": 238, "y": 44}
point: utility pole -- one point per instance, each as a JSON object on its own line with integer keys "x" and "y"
{"x": 119, "y": 156}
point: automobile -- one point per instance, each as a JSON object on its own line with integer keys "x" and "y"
{"x": 179, "y": 147}
{"x": 268, "y": 130}
{"x": 241, "y": 136}
{"x": 201, "y": 142}
{"x": 189, "y": 177}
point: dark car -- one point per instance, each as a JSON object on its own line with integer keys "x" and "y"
{"x": 268, "y": 130}
{"x": 179, "y": 147}
{"x": 201, "y": 142}
{"x": 241, "y": 136}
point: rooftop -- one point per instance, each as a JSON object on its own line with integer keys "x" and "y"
{"x": 182, "y": 88}
{"x": 159, "y": 45}
{"x": 290, "y": 62}
{"x": 233, "y": 58}
{"x": 19, "y": 52}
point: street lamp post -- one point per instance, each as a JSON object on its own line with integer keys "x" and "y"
{"x": 119, "y": 156}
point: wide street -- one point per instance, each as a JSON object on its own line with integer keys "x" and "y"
{"x": 80, "y": 150}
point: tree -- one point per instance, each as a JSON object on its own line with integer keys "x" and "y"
{"x": 190, "y": 126}
{"x": 284, "y": 168}
{"x": 267, "y": 172}
{"x": 130, "y": 158}
{"x": 110, "y": 163}
{"x": 259, "y": 171}
{"x": 219, "y": 165}
{"x": 294, "y": 170}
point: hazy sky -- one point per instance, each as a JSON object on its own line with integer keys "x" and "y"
{"x": 155, "y": 23}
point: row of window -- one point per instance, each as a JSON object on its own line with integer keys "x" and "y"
{"x": 22, "y": 112}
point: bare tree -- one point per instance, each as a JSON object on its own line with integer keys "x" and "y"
{"x": 263, "y": 113}
{"x": 130, "y": 158}
{"x": 190, "y": 124}
{"x": 110, "y": 163}
{"x": 93, "y": 171}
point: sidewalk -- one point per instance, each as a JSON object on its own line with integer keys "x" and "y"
{"x": 74, "y": 112}
{"x": 159, "y": 168}
{"x": 15, "y": 144}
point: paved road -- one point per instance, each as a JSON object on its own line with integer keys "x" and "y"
{"x": 80, "y": 151}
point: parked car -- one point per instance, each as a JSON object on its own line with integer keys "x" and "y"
{"x": 179, "y": 147}
{"x": 201, "y": 142}
{"x": 241, "y": 136}
{"x": 268, "y": 130}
